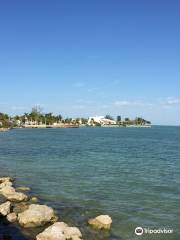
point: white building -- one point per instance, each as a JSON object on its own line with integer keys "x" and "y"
{"x": 100, "y": 120}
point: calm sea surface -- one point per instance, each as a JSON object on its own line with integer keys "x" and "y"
{"x": 131, "y": 174}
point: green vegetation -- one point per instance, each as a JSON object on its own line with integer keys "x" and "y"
{"x": 4, "y": 121}
{"x": 136, "y": 121}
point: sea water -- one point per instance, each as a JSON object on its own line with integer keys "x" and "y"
{"x": 132, "y": 174}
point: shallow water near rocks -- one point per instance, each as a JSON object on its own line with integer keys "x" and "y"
{"x": 130, "y": 174}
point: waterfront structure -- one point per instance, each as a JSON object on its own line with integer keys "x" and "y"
{"x": 101, "y": 120}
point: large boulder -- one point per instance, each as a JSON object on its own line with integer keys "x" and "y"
{"x": 16, "y": 197}
{"x": 10, "y": 193}
{"x": 5, "y": 208}
{"x": 54, "y": 232}
{"x": 4, "y": 182}
{"x": 101, "y": 222}
{"x": 60, "y": 231}
{"x": 36, "y": 215}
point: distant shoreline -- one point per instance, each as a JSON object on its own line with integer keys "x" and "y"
{"x": 72, "y": 126}
{"x": 82, "y": 126}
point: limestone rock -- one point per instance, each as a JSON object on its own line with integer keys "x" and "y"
{"x": 16, "y": 197}
{"x": 34, "y": 199}
{"x": 101, "y": 222}
{"x": 72, "y": 232}
{"x": 12, "y": 217}
{"x": 10, "y": 193}
{"x": 36, "y": 215}
{"x": 5, "y": 208}
{"x": 5, "y": 179}
{"x": 7, "y": 189}
{"x": 60, "y": 231}
{"x": 5, "y": 184}
{"x": 54, "y": 232}
{"x": 76, "y": 238}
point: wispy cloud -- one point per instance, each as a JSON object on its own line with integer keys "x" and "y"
{"x": 170, "y": 101}
{"x": 126, "y": 103}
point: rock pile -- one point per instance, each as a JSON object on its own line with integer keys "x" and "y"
{"x": 9, "y": 192}
{"x": 17, "y": 207}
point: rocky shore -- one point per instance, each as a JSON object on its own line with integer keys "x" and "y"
{"x": 23, "y": 210}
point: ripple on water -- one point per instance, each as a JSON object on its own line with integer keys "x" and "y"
{"x": 130, "y": 174}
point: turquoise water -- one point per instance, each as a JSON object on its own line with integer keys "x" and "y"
{"x": 131, "y": 174}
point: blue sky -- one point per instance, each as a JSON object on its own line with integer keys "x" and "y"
{"x": 83, "y": 58}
